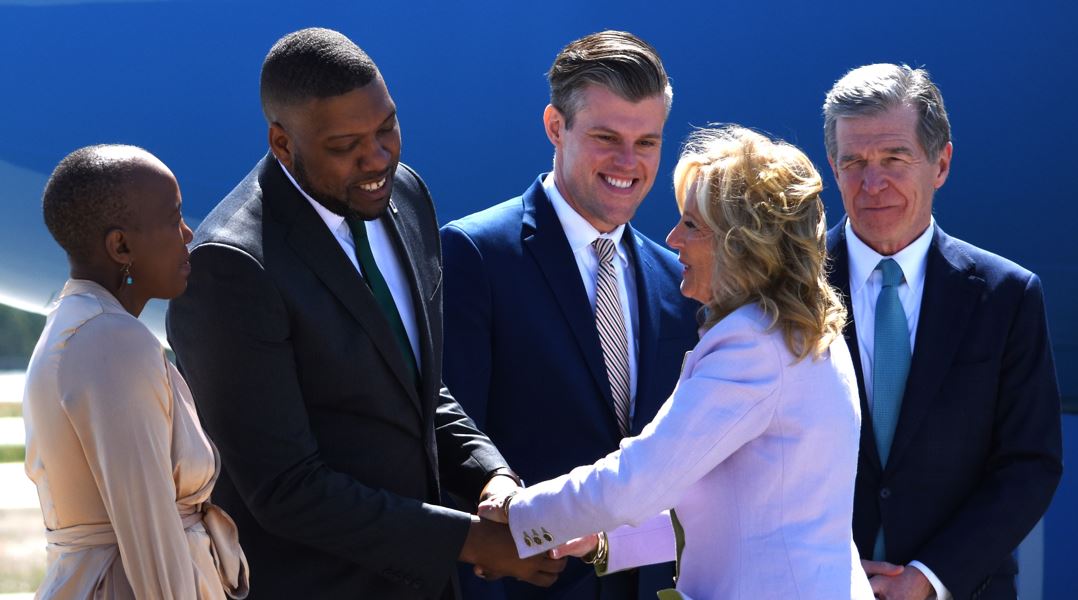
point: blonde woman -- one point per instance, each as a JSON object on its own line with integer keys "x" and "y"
{"x": 755, "y": 452}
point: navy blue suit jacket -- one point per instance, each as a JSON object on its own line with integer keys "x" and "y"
{"x": 977, "y": 451}
{"x": 523, "y": 357}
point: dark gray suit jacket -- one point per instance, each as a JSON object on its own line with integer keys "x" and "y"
{"x": 333, "y": 462}
{"x": 977, "y": 452}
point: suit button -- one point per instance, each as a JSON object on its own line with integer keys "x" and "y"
{"x": 885, "y": 493}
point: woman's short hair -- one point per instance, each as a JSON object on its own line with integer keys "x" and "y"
{"x": 86, "y": 196}
{"x": 761, "y": 199}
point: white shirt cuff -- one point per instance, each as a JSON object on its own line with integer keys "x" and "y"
{"x": 942, "y": 593}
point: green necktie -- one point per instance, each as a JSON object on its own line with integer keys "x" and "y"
{"x": 382, "y": 295}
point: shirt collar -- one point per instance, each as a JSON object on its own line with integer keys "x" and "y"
{"x": 332, "y": 219}
{"x": 863, "y": 259}
{"x": 578, "y": 231}
{"x": 74, "y": 287}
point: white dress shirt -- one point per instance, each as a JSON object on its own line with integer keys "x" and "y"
{"x": 865, "y": 283}
{"x": 581, "y": 234}
{"x": 385, "y": 256}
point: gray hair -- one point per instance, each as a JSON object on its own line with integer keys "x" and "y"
{"x": 616, "y": 60}
{"x": 874, "y": 89}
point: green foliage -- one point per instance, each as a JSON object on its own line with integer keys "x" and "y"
{"x": 9, "y": 454}
{"x": 19, "y": 331}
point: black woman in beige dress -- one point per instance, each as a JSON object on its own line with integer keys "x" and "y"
{"x": 122, "y": 467}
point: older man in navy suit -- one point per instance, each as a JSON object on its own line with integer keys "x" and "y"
{"x": 960, "y": 442}
{"x": 565, "y": 329}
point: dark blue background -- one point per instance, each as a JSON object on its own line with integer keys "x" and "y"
{"x": 181, "y": 79}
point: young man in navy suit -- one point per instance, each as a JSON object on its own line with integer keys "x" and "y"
{"x": 556, "y": 347}
{"x": 960, "y": 439}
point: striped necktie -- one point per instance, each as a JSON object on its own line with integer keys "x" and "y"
{"x": 890, "y": 366}
{"x": 610, "y": 324}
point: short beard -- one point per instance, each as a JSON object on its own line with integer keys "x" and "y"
{"x": 332, "y": 204}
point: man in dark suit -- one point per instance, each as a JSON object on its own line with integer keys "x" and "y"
{"x": 960, "y": 440}
{"x": 555, "y": 362}
{"x": 310, "y": 334}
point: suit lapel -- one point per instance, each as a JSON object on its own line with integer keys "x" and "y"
{"x": 648, "y": 304}
{"x": 407, "y": 253}
{"x": 545, "y": 239}
{"x": 313, "y": 243}
{"x": 839, "y": 277}
{"x": 950, "y": 295}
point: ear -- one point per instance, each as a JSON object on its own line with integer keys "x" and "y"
{"x": 554, "y": 124}
{"x": 280, "y": 144}
{"x": 117, "y": 247}
{"x": 943, "y": 163}
{"x": 834, "y": 171}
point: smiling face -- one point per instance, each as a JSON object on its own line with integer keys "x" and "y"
{"x": 695, "y": 245}
{"x": 342, "y": 150}
{"x": 157, "y": 237}
{"x": 886, "y": 179}
{"x": 606, "y": 163}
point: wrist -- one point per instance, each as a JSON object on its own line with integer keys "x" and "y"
{"x": 601, "y": 555}
{"x": 507, "y": 472}
{"x": 506, "y": 501}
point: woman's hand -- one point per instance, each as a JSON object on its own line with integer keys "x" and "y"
{"x": 580, "y": 547}
{"x": 496, "y": 508}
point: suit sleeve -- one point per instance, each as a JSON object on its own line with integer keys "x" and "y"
{"x": 231, "y": 332}
{"x": 120, "y": 404}
{"x": 467, "y": 303}
{"x": 466, "y": 368}
{"x": 1025, "y": 464}
{"x": 728, "y": 400}
{"x": 649, "y": 543}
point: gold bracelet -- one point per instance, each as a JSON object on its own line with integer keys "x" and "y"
{"x": 505, "y": 504}
{"x": 602, "y": 549}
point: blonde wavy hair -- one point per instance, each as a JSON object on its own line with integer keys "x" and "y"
{"x": 761, "y": 200}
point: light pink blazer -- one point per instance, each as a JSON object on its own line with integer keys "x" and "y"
{"x": 756, "y": 453}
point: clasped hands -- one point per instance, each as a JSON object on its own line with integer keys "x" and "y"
{"x": 493, "y": 513}
{"x": 489, "y": 547}
{"x": 895, "y": 582}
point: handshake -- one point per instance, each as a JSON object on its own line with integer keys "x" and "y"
{"x": 489, "y": 546}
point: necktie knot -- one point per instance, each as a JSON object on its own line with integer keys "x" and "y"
{"x": 604, "y": 249}
{"x": 892, "y": 273}
{"x": 358, "y": 227}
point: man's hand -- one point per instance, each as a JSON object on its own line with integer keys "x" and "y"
{"x": 499, "y": 485}
{"x": 489, "y": 547}
{"x": 875, "y": 567}
{"x": 580, "y": 547}
{"x": 894, "y": 582}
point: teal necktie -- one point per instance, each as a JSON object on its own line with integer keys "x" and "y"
{"x": 382, "y": 295}
{"x": 890, "y": 366}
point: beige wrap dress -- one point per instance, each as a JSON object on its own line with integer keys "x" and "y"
{"x": 122, "y": 467}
